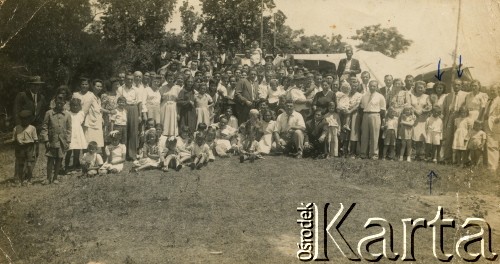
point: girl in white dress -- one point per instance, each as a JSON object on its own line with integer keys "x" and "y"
{"x": 78, "y": 141}
{"x": 463, "y": 127}
{"x": 116, "y": 154}
{"x": 421, "y": 107}
{"x": 202, "y": 103}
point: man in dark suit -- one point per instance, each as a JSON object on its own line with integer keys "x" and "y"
{"x": 244, "y": 95}
{"x": 33, "y": 101}
{"x": 161, "y": 59}
{"x": 348, "y": 66}
{"x": 386, "y": 91}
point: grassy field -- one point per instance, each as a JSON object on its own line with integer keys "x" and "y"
{"x": 228, "y": 212}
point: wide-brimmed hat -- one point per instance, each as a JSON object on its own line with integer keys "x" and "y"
{"x": 197, "y": 43}
{"x": 25, "y": 114}
{"x": 36, "y": 80}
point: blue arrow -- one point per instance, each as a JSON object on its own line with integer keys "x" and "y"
{"x": 439, "y": 73}
{"x": 460, "y": 72}
{"x": 431, "y": 175}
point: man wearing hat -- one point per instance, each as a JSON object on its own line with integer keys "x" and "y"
{"x": 33, "y": 101}
{"x": 26, "y": 147}
{"x": 196, "y": 47}
{"x": 161, "y": 59}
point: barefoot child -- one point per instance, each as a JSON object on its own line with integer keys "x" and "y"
{"x": 91, "y": 161}
{"x": 26, "y": 147}
{"x": 56, "y": 133}
{"x": 116, "y": 153}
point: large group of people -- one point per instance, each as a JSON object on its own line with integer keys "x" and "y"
{"x": 195, "y": 107}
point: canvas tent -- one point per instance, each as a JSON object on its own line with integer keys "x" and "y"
{"x": 379, "y": 65}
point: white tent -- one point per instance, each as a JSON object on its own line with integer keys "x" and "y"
{"x": 376, "y": 63}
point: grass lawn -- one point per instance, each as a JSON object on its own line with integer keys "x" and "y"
{"x": 229, "y": 212}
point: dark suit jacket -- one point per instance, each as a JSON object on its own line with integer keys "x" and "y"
{"x": 388, "y": 97}
{"x": 355, "y": 68}
{"x": 243, "y": 91}
{"x": 159, "y": 62}
{"x": 24, "y": 101}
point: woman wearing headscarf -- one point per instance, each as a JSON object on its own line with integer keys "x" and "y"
{"x": 187, "y": 110}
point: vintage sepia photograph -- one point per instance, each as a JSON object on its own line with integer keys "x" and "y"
{"x": 249, "y": 131}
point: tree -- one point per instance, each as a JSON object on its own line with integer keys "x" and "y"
{"x": 135, "y": 21}
{"x": 135, "y": 29}
{"x": 385, "y": 40}
{"x": 42, "y": 37}
{"x": 190, "y": 21}
{"x": 236, "y": 21}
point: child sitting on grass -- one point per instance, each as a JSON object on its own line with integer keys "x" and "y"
{"x": 116, "y": 154}
{"x": 199, "y": 152}
{"x": 150, "y": 154}
{"x": 249, "y": 149}
{"x": 171, "y": 155}
{"x": 91, "y": 161}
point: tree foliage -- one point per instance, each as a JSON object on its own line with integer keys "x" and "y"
{"x": 135, "y": 30}
{"x": 385, "y": 40}
{"x": 135, "y": 21}
{"x": 190, "y": 21}
{"x": 236, "y": 22}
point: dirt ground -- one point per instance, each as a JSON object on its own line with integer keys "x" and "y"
{"x": 229, "y": 212}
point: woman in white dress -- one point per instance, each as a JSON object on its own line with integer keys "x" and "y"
{"x": 168, "y": 107}
{"x": 266, "y": 141}
{"x": 421, "y": 105}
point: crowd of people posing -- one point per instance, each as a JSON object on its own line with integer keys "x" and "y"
{"x": 190, "y": 112}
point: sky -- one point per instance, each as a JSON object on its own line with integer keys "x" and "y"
{"x": 430, "y": 24}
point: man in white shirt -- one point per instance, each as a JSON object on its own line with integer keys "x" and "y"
{"x": 141, "y": 93}
{"x": 373, "y": 106}
{"x": 365, "y": 79}
{"x": 289, "y": 130}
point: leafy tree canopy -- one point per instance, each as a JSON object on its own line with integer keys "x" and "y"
{"x": 388, "y": 41}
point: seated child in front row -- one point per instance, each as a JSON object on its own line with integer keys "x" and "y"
{"x": 249, "y": 149}
{"x": 91, "y": 161}
{"x": 116, "y": 153}
{"x": 199, "y": 152}
{"x": 170, "y": 156}
{"x": 150, "y": 154}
